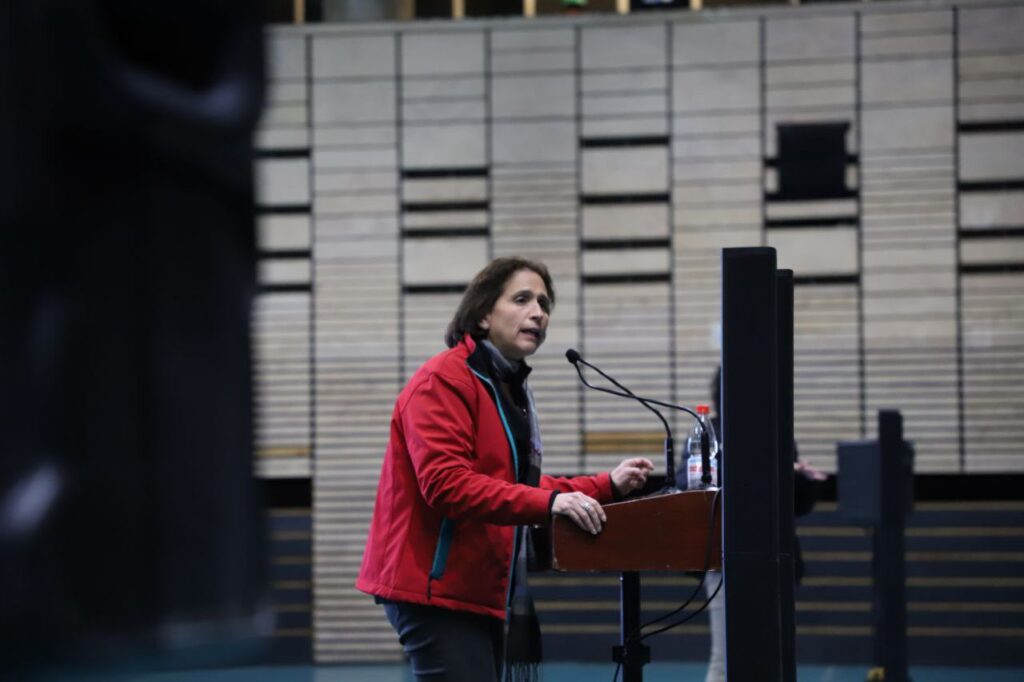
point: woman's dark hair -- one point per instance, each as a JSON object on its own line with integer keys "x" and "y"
{"x": 483, "y": 292}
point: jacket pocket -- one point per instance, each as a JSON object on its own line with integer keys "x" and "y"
{"x": 444, "y": 546}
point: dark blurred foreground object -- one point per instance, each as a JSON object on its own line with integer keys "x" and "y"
{"x": 876, "y": 489}
{"x": 129, "y": 527}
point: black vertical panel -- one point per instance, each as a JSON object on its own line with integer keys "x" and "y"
{"x": 784, "y": 332}
{"x": 126, "y": 282}
{"x": 749, "y": 424}
{"x": 890, "y": 603}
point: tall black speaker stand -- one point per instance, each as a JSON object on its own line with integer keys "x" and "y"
{"x": 757, "y": 441}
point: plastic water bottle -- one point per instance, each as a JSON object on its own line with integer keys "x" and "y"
{"x": 694, "y": 460}
{"x": 713, "y": 449}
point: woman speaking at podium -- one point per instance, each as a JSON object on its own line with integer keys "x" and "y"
{"x": 461, "y": 483}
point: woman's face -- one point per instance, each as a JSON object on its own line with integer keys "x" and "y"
{"x": 518, "y": 322}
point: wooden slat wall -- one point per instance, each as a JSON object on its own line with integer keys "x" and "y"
{"x": 810, "y": 77}
{"x": 717, "y": 181}
{"x": 356, "y": 148}
{"x": 909, "y": 276}
{"x": 535, "y": 206}
{"x": 282, "y": 320}
{"x": 990, "y": 121}
{"x": 395, "y": 161}
{"x": 625, "y": 177}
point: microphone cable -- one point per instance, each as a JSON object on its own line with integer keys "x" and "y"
{"x": 692, "y": 615}
{"x": 618, "y": 666}
{"x": 703, "y": 577}
{"x": 574, "y": 358}
{"x": 693, "y": 595}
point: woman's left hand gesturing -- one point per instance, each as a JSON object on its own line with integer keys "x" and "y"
{"x": 631, "y": 474}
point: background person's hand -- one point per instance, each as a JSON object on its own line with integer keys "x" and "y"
{"x": 631, "y": 474}
{"x": 584, "y": 511}
{"x": 806, "y": 470}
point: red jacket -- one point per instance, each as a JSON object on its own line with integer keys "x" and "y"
{"x": 447, "y": 501}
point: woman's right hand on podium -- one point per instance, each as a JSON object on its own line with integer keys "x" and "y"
{"x": 584, "y": 511}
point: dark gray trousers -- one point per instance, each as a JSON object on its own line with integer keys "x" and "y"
{"x": 448, "y": 646}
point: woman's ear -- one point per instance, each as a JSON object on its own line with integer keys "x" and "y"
{"x": 484, "y": 324}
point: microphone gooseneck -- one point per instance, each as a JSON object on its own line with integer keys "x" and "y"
{"x": 628, "y": 393}
{"x": 639, "y": 398}
{"x": 573, "y": 356}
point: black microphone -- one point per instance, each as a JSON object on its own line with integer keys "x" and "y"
{"x": 574, "y": 358}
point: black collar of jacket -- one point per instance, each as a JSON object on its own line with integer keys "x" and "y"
{"x": 480, "y": 361}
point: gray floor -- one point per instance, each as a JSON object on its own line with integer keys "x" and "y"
{"x": 558, "y": 672}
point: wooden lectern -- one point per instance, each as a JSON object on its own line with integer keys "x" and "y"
{"x": 663, "y": 532}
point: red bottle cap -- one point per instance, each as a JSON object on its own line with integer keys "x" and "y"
{"x": 703, "y": 409}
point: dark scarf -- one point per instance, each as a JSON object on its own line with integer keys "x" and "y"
{"x": 522, "y": 634}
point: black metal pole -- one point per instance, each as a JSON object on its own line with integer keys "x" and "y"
{"x": 889, "y": 546}
{"x": 632, "y": 653}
